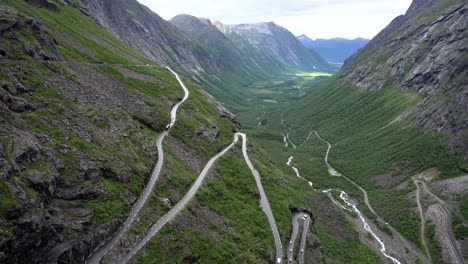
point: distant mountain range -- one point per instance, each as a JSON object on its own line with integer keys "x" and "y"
{"x": 207, "y": 52}
{"x": 335, "y": 50}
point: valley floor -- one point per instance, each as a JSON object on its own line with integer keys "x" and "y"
{"x": 294, "y": 148}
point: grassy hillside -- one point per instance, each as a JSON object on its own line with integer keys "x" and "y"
{"x": 370, "y": 146}
{"x": 77, "y": 155}
{"x": 367, "y": 144}
{"x": 96, "y": 111}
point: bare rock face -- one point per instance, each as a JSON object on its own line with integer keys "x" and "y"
{"x": 42, "y": 48}
{"x": 9, "y": 18}
{"x": 423, "y": 51}
{"x": 420, "y": 5}
{"x": 44, "y": 3}
{"x": 45, "y": 216}
{"x": 278, "y": 43}
{"x": 146, "y": 32}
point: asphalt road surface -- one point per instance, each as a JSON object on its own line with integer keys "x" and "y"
{"x": 178, "y": 207}
{"x": 302, "y": 246}
{"x": 191, "y": 193}
{"x": 102, "y": 250}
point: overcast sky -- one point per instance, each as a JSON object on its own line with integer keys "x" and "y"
{"x": 315, "y": 18}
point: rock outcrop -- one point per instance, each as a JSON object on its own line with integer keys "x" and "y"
{"x": 423, "y": 51}
{"x": 76, "y": 140}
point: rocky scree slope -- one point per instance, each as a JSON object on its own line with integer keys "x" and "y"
{"x": 423, "y": 51}
{"x": 78, "y": 120}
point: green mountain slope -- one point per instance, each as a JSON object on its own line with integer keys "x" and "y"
{"x": 80, "y": 112}
{"x": 79, "y": 119}
{"x": 383, "y": 134}
{"x": 388, "y": 122}
{"x": 218, "y": 63}
{"x": 423, "y": 51}
{"x": 82, "y": 102}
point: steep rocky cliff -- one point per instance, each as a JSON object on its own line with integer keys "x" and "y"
{"x": 142, "y": 29}
{"x": 423, "y": 51}
{"x": 273, "y": 40}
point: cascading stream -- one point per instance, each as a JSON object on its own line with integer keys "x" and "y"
{"x": 344, "y": 197}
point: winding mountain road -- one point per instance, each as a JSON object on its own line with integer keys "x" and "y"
{"x": 448, "y": 230}
{"x": 107, "y": 246}
{"x": 263, "y": 200}
{"x": 422, "y": 231}
{"x": 191, "y": 193}
{"x": 303, "y": 142}
{"x": 447, "y": 220}
{"x": 178, "y": 207}
{"x": 305, "y": 230}
{"x": 331, "y": 170}
{"x": 295, "y": 224}
{"x": 416, "y": 252}
{"x": 102, "y": 250}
